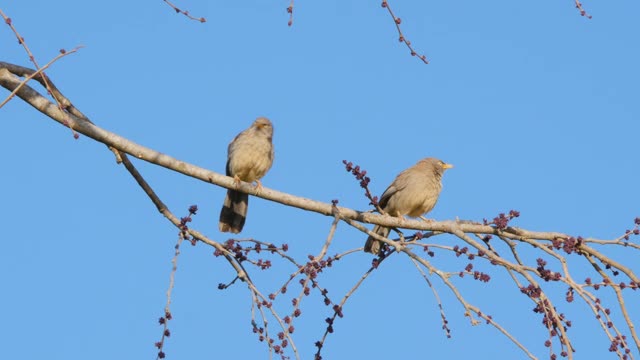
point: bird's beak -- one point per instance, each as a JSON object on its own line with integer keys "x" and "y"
{"x": 447, "y": 166}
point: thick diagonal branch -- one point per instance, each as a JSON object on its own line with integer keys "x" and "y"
{"x": 85, "y": 127}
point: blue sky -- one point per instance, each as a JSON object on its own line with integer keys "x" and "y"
{"x": 536, "y": 106}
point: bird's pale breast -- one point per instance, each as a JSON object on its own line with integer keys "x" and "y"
{"x": 250, "y": 157}
{"x": 418, "y": 195}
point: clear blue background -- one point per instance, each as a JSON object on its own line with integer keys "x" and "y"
{"x": 536, "y": 106}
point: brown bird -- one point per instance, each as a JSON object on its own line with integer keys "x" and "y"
{"x": 249, "y": 157}
{"x": 414, "y": 192}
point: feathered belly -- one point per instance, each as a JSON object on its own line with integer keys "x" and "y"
{"x": 251, "y": 164}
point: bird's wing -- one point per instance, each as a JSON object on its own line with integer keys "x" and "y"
{"x": 386, "y": 195}
{"x": 228, "y": 171}
{"x": 399, "y": 183}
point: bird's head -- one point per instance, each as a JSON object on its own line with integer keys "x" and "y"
{"x": 438, "y": 165}
{"x": 264, "y": 125}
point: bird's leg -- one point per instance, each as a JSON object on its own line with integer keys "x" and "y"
{"x": 236, "y": 181}
{"x": 258, "y": 187}
{"x": 425, "y": 219}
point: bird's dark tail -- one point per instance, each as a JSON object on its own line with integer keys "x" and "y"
{"x": 372, "y": 245}
{"x": 234, "y": 212}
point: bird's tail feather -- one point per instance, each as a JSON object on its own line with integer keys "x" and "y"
{"x": 234, "y": 212}
{"x": 372, "y": 245}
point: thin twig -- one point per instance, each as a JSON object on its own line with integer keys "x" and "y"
{"x": 445, "y": 323}
{"x": 401, "y": 37}
{"x": 290, "y": 12}
{"x": 184, "y": 12}
{"x": 582, "y": 11}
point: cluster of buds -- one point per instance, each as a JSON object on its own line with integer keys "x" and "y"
{"x": 568, "y": 245}
{"x": 477, "y": 275}
{"x": 531, "y": 291}
{"x": 277, "y": 348}
{"x": 241, "y": 253}
{"x": 635, "y": 231}
{"x": 165, "y": 333}
{"x": 620, "y": 341}
{"x": 502, "y": 220}
{"x": 545, "y": 273}
{"x": 313, "y": 267}
{"x": 361, "y": 175}
{"x": 184, "y": 229}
